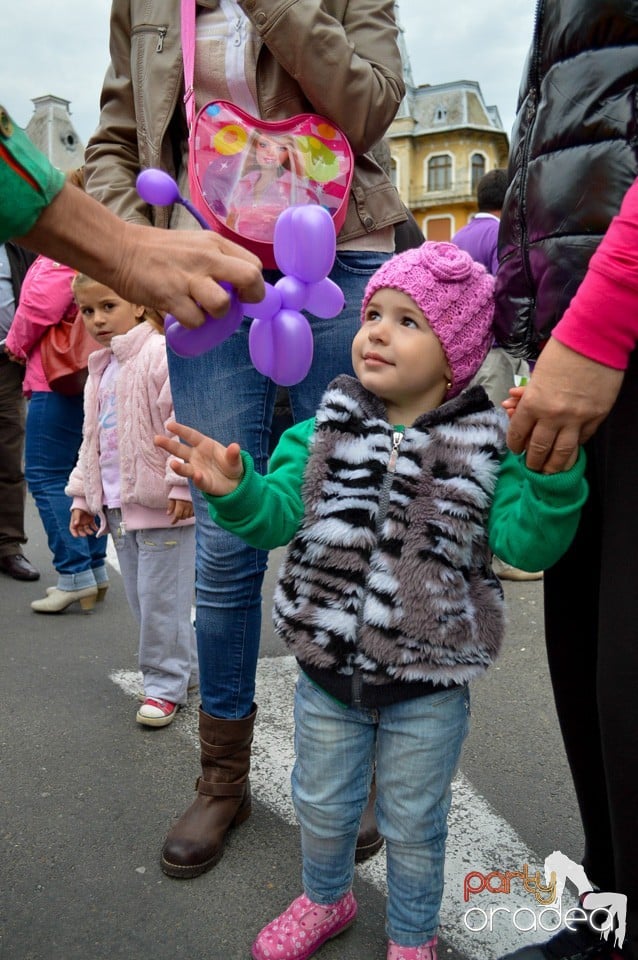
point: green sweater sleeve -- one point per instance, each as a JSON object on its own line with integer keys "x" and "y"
{"x": 266, "y": 511}
{"x": 534, "y": 516}
{"x": 28, "y": 182}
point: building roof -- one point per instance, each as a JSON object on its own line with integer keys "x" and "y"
{"x": 52, "y": 131}
{"x": 445, "y": 106}
{"x": 434, "y": 108}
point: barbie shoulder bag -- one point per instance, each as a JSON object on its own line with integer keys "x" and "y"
{"x": 243, "y": 171}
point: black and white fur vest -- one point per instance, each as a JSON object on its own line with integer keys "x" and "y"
{"x": 390, "y": 575}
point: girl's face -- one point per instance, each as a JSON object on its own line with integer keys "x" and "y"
{"x": 269, "y": 153}
{"x": 106, "y": 315}
{"x": 398, "y": 357}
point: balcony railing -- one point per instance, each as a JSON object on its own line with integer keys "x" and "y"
{"x": 460, "y": 191}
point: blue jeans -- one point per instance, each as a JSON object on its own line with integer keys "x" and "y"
{"x": 417, "y": 744}
{"x": 221, "y": 394}
{"x": 53, "y": 437}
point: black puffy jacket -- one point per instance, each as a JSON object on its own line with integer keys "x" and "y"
{"x": 574, "y": 155}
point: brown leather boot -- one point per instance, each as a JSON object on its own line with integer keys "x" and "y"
{"x": 369, "y": 840}
{"x": 196, "y": 842}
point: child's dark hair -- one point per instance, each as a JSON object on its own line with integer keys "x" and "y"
{"x": 150, "y": 315}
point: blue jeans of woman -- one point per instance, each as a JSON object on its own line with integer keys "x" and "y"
{"x": 417, "y": 744}
{"x": 53, "y": 437}
{"x": 221, "y": 394}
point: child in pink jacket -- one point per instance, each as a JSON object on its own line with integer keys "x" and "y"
{"x": 123, "y": 480}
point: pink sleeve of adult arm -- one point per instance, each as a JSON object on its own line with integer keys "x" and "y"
{"x": 601, "y": 322}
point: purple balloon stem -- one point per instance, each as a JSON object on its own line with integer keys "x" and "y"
{"x": 194, "y": 211}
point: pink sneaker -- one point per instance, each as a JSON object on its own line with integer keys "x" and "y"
{"x": 303, "y": 927}
{"x": 426, "y": 951}
{"x": 155, "y": 712}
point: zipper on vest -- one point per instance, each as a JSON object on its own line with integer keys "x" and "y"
{"x": 397, "y": 437}
{"x": 384, "y": 496}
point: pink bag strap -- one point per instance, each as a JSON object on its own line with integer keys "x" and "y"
{"x": 188, "y": 54}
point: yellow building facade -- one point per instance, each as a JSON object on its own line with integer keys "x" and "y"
{"x": 442, "y": 141}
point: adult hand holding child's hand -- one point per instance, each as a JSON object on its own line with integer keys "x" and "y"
{"x": 566, "y": 400}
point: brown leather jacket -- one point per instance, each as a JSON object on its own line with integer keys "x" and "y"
{"x": 343, "y": 53}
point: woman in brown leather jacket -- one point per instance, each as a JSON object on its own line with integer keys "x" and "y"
{"x": 275, "y": 59}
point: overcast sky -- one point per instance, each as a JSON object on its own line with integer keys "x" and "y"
{"x": 60, "y": 47}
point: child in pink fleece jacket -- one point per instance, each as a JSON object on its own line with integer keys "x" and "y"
{"x": 123, "y": 479}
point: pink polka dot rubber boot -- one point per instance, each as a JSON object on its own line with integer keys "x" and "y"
{"x": 301, "y": 929}
{"x": 426, "y": 951}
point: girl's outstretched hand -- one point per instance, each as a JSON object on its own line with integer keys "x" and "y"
{"x": 213, "y": 468}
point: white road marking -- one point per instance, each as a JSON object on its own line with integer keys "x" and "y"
{"x": 111, "y": 554}
{"x": 479, "y": 839}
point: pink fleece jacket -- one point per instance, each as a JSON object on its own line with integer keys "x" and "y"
{"x": 601, "y": 322}
{"x": 45, "y": 298}
{"x": 144, "y": 404}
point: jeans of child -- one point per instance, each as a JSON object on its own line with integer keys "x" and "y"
{"x": 157, "y": 567}
{"x": 221, "y": 394}
{"x": 417, "y": 745}
{"x": 53, "y": 437}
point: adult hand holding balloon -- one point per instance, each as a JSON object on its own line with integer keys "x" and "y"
{"x": 159, "y": 188}
{"x": 280, "y": 338}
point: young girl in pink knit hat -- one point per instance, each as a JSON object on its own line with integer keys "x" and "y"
{"x": 391, "y": 499}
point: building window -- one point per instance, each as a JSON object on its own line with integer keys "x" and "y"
{"x": 438, "y": 228}
{"x": 440, "y": 172}
{"x": 394, "y": 173}
{"x": 478, "y": 169}
{"x": 440, "y": 115}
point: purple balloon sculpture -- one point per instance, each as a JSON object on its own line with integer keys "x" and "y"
{"x": 280, "y": 338}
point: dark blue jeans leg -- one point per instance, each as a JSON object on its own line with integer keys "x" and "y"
{"x": 53, "y": 437}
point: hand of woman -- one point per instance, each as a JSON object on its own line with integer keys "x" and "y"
{"x": 176, "y": 271}
{"x": 566, "y": 400}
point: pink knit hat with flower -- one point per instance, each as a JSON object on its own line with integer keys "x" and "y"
{"x": 456, "y": 295}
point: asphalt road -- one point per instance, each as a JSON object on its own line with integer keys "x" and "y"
{"x": 87, "y": 795}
